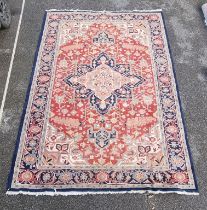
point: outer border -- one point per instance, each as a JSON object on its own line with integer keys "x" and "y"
{"x": 81, "y": 191}
{"x": 25, "y": 105}
{"x": 181, "y": 110}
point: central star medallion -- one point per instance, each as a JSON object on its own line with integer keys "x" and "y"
{"x": 103, "y": 82}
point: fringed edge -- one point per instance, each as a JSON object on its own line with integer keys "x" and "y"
{"x": 56, "y": 193}
{"x": 102, "y": 11}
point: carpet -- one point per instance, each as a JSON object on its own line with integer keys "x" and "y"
{"x": 102, "y": 113}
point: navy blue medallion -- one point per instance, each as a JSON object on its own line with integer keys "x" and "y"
{"x": 103, "y": 82}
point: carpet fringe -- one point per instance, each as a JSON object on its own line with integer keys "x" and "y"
{"x": 56, "y": 193}
{"x": 104, "y": 11}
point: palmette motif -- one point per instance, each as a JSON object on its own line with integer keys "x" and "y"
{"x": 103, "y": 109}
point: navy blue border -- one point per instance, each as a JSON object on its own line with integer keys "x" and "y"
{"x": 25, "y": 105}
{"x": 181, "y": 110}
{"x": 93, "y": 189}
